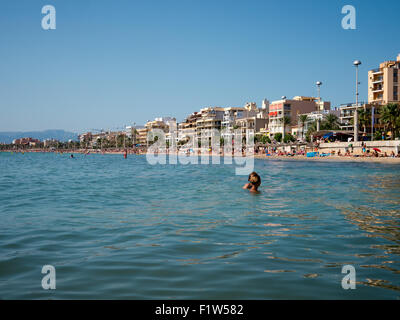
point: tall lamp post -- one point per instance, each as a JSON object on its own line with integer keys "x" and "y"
{"x": 283, "y": 119}
{"x": 356, "y": 64}
{"x": 318, "y": 83}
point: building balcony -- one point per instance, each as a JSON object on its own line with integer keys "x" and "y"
{"x": 377, "y": 71}
{"x": 348, "y": 117}
{"x": 378, "y": 80}
{"x": 351, "y": 105}
{"x": 377, "y": 100}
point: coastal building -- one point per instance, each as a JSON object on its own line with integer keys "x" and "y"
{"x": 97, "y": 138}
{"x": 289, "y": 109}
{"x": 149, "y": 126}
{"x": 166, "y": 124}
{"x": 368, "y": 125}
{"x": 31, "y": 142}
{"x": 203, "y": 123}
{"x": 299, "y": 130}
{"x": 231, "y": 114}
{"x": 50, "y": 143}
{"x": 86, "y": 137}
{"x": 245, "y": 118}
{"x": 383, "y": 83}
{"x": 141, "y": 136}
{"x": 211, "y": 119}
{"x": 265, "y": 104}
{"x": 253, "y": 118}
{"x": 129, "y": 131}
{"x": 156, "y": 124}
{"x": 187, "y": 128}
{"x": 172, "y": 133}
{"x": 256, "y": 123}
{"x": 161, "y": 123}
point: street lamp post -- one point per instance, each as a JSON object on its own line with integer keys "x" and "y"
{"x": 356, "y": 64}
{"x": 318, "y": 83}
{"x": 283, "y": 119}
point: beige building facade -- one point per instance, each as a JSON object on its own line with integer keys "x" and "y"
{"x": 383, "y": 83}
{"x": 291, "y": 108}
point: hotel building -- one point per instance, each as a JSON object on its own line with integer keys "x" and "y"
{"x": 163, "y": 124}
{"x": 211, "y": 118}
{"x": 383, "y": 83}
{"x": 188, "y": 127}
{"x": 141, "y": 136}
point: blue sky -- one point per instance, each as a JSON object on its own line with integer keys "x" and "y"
{"x": 112, "y": 63}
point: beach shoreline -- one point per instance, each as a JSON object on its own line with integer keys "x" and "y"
{"x": 330, "y": 158}
{"x": 333, "y": 159}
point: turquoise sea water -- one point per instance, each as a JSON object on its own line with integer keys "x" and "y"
{"x": 124, "y": 229}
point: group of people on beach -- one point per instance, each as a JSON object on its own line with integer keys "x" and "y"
{"x": 365, "y": 152}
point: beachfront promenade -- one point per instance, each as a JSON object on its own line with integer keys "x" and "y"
{"x": 383, "y": 146}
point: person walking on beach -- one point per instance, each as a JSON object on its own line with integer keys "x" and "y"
{"x": 254, "y": 182}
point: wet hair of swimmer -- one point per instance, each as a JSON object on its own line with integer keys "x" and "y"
{"x": 254, "y": 179}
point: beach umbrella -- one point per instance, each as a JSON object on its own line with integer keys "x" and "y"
{"x": 328, "y": 135}
{"x": 377, "y": 150}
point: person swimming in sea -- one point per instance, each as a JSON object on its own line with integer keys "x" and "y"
{"x": 254, "y": 182}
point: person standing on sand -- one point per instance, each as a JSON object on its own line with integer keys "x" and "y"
{"x": 254, "y": 183}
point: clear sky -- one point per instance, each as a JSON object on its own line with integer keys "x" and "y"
{"x": 113, "y": 63}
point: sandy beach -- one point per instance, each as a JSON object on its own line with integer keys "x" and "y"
{"x": 386, "y": 160}
{"x": 333, "y": 158}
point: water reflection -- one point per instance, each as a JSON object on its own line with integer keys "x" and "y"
{"x": 382, "y": 224}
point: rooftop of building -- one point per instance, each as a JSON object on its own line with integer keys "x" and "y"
{"x": 296, "y": 98}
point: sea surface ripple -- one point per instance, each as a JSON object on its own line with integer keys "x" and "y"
{"x": 119, "y": 228}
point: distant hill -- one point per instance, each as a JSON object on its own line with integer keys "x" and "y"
{"x": 61, "y": 135}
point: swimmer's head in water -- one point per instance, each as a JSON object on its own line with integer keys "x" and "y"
{"x": 255, "y": 179}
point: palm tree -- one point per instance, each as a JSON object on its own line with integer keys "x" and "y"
{"x": 303, "y": 118}
{"x": 312, "y": 127}
{"x": 135, "y": 134}
{"x": 364, "y": 118}
{"x": 278, "y": 137}
{"x": 265, "y": 139}
{"x": 331, "y": 122}
{"x": 285, "y": 121}
{"x": 390, "y": 117}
